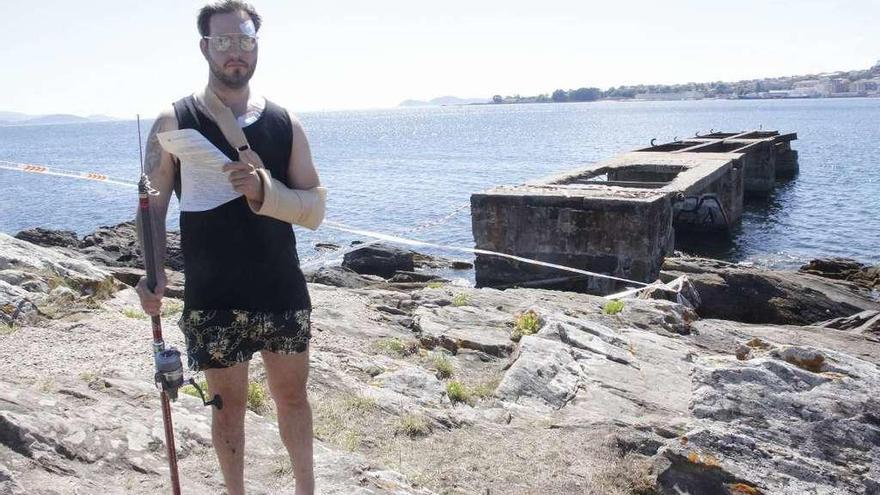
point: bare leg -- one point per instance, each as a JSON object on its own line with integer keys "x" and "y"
{"x": 288, "y": 375}
{"x": 227, "y": 424}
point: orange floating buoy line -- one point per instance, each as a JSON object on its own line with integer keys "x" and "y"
{"x": 58, "y": 172}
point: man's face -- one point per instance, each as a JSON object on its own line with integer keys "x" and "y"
{"x": 233, "y": 67}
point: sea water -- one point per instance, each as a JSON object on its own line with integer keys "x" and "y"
{"x": 393, "y": 170}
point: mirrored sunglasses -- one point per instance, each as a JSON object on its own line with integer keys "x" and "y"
{"x": 224, "y": 42}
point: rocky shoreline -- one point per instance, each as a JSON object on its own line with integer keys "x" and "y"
{"x": 768, "y": 384}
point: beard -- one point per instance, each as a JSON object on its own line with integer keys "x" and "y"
{"x": 237, "y": 80}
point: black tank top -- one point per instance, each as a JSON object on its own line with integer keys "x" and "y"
{"x": 234, "y": 258}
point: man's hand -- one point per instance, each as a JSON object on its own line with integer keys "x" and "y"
{"x": 151, "y": 302}
{"x": 245, "y": 180}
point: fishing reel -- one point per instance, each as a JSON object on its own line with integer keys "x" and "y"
{"x": 169, "y": 376}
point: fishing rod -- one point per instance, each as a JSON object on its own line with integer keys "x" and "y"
{"x": 169, "y": 368}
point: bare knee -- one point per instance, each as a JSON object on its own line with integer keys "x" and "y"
{"x": 231, "y": 413}
{"x": 290, "y": 399}
{"x": 231, "y": 385}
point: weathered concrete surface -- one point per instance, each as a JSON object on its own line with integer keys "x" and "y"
{"x": 760, "y": 168}
{"x": 570, "y": 230}
{"x": 757, "y": 159}
{"x": 619, "y": 216}
{"x": 706, "y": 185}
{"x": 787, "y": 165}
{"x": 770, "y": 159}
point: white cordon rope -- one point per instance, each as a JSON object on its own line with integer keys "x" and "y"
{"x": 72, "y": 174}
{"x": 339, "y": 254}
{"x": 377, "y": 236}
{"x": 412, "y": 242}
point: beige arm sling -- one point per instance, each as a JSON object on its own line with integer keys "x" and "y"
{"x": 304, "y": 207}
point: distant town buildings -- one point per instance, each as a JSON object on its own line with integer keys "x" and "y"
{"x": 839, "y": 84}
{"x": 827, "y": 88}
{"x": 821, "y": 87}
{"x": 865, "y": 86}
{"x": 680, "y": 95}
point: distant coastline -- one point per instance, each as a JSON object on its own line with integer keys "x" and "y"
{"x": 444, "y": 100}
{"x": 14, "y": 119}
{"x": 841, "y": 84}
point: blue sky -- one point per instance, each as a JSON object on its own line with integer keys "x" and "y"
{"x": 123, "y": 57}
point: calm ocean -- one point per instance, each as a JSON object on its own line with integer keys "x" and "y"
{"x": 391, "y": 170}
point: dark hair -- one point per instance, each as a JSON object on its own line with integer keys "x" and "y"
{"x": 225, "y": 7}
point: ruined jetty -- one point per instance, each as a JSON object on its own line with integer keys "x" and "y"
{"x": 619, "y": 216}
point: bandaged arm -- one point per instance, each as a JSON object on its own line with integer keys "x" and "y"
{"x": 298, "y": 206}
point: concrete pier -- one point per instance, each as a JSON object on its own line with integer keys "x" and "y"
{"x": 768, "y": 156}
{"x": 619, "y": 216}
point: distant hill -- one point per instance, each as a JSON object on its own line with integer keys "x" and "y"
{"x": 58, "y": 118}
{"x": 443, "y": 100}
{"x": 101, "y": 118}
{"x": 17, "y": 118}
{"x": 13, "y": 116}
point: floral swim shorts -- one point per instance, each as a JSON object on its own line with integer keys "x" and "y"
{"x": 222, "y": 338}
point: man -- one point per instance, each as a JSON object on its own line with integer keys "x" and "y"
{"x": 244, "y": 290}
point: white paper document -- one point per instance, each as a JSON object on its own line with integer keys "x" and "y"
{"x": 203, "y": 184}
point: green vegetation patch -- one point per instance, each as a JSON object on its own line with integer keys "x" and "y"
{"x": 79, "y": 295}
{"x": 88, "y": 376}
{"x": 486, "y": 388}
{"x": 102, "y": 289}
{"x": 344, "y": 420}
{"x": 525, "y": 324}
{"x": 257, "y": 398}
{"x": 443, "y": 365}
{"x": 613, "y": 307}
{"x": 171, "y": 307}
{"x": 190, "y": 390}
{"x": 257, "y": 395}
{"x": 359, "y": 403}
{"x": 135, "y": 314}
{"x": 413, "y": 425}
{"x": 9, "y": 329}
{"x": 396, "y": 346}
{"x": 458, "y": 392}
{"x": 461, "y": 299}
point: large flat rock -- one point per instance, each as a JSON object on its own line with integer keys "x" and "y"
{"x": 790, "y": 420}
{"x": 107, "y": 435}
{"x": 730, "y": 291}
